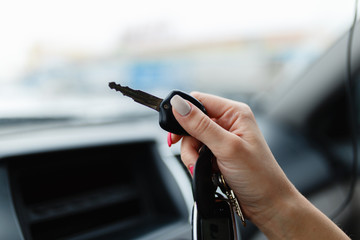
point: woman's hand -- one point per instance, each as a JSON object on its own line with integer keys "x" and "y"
{"x": 243, "y": 157}
{"x": 265, "y": 194}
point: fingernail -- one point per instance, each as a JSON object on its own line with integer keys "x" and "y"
{"x": 191, "y": 169}
{"x": 169, "y": 140}
{"x": 180, "y": 105}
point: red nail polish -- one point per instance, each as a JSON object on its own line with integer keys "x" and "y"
{"x": 191, "y": 169}
{"x": 169, "y": 141}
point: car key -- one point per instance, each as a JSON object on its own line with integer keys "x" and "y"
{"x": 166, "y": 118}
{"x": 213, "y": 217}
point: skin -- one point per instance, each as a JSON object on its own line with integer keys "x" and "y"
{"x": 266, "y": 196}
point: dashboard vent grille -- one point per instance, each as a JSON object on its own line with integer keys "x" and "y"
{"x": 100, "y": 191}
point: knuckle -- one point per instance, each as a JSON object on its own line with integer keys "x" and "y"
{"x": 203, "y": 125}
{"x": 246, "y": 112}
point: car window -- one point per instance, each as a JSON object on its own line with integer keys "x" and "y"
{"x": 58, "y": 56}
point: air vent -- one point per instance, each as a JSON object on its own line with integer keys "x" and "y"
{"x": 90, "y": 193}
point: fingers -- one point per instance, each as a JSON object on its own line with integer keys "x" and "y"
{"x": 173, "y": 138}
{"x": 197, "y": 124}
{"x": 190, "y": 151}
{"x": 224, "y": 112}
{"x": 227, "y": 113}
{"x": 214, "y": 105}
{"x": 223, "y": 130}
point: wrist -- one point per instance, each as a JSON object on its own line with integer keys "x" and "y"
{"x": 281, "y": 222}
{"x": 295, "y": 217}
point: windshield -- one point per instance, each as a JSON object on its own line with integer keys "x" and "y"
{"x": 57, "y": 57}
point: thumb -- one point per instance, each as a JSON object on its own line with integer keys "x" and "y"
{"x": 197, "y": 124}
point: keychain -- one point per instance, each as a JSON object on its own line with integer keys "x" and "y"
{"x": 213, "y": 215}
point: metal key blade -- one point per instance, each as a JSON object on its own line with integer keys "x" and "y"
{"x": 138, "y": 96}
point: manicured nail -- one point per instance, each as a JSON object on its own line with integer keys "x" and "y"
{"x": 180, "y": 105}
{"x": 191, "y": 169}
{"x": 169, "y": 140}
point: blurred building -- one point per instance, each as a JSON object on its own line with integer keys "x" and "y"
{"x": 224, "y": 66}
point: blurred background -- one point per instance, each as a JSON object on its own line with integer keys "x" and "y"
{"x": 66, "y": 137}
{"x": 57, "y": 57}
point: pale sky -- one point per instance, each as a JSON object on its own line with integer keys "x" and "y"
{"x": 97, "y": 25}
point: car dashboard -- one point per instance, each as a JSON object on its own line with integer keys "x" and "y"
{"x": 102, "y": 181}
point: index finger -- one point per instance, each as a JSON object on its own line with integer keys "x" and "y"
{"x": 215, "y": 106}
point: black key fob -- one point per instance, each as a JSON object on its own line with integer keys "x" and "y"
{"x": 221, "y": 225}
{"x": 167, "y": 120}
